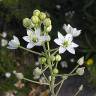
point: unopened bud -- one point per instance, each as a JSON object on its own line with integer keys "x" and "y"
{"x": 81, "y": 61}
{"x": 35, "y": 19}
{"x": 36, "y": 12}
{"x": 49, "y": 28}
{"x": 42, "y": 60}
{"x": 52, "y": 58}
{"x": 80, "y": 71}
{"x": 81, "y": 87}
{"x": 42, "y": 16}
{"x": 58, "y": 58}
{"x": 27, "y": 22}
{"x": 47, "y": 22}
{"x": 55, "y": 71}
{"x": 19, "y": 76}
{"x": 37, "y": 71}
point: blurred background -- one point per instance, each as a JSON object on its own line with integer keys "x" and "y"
{"x": 81, "y": 14}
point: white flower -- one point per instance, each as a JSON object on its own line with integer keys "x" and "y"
{"x": 7, "y": 75}
{"x": 70, "y": 30}
{"x": 4, "y": 34}
{"x": 81, "y": 61}
{"x": 80, "y": 71}
{"x": 14, "y": 43}
{"x": 19, "y": 75}
{"x": 37, "y": 72}
{"x": 34, "y": 38}
{"x": 65, "y": 43}
{"x": 4, "y": 42}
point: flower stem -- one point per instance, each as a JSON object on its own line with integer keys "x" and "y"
{"x": 64, "y": 79}
{"x": 35, "y": 82}
{"x": 52, "y": 76}
{"x": 30, "y": 50}
{"x": 77, "y": 93}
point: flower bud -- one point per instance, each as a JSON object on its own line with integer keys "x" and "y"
{"x": 27, "y": 22}
{"x": 55, "y": 71}
{"x": 19, "y": 76}
{"x": 36, "y": 12}
{"x": 81, "y": 61}
{"x": 52, "y": 58}
{"x": 81, "y": 87}
{"x": 47, "y": 22}
{"x": 80, "y": 71}
{"x": 49, "y": 28}
{"x": 58, "y": 58}
{"x": 37, "y": 71}
{"x": 42, "y": 16}
{"x": 35, "y": 19}
{"x": 42, "y": 60}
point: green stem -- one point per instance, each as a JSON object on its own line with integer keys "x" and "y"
{"x": 64, "y": 79}
{"x": 77, "y": 93}
{"x": 52, "y": 76}
{"x": 60, "y": 75}
{"x": 55, "y": 52}
{"x": 64, "y": 75}
{"x": 30, "y": 50}
{"x": 60, "y": 87}
{"x": 35, "y": 82}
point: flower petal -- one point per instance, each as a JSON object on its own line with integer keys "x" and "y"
{"x": 16, "y": 40}
{"x": 30, "y": 45}
{"x": 67, "y": 28}
{"x": 38, "y": 32}
{"x": 76, "y": 32}
{"x": 44, "y": 38}
{"x": 58, "y": 41}
{"x": 26, "y": 38}
{"x": 38, "y": 43}
{"x": 60, "y": 36}
{"x": 68, "y": 37}
{"x": 29, "y": 32}
{"x": 74, "y": 44}
{"x": 71, "y": 50}
{"x": 61, "y": 49}
{"x": 10, "y": 47}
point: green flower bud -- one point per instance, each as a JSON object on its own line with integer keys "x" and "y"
{"x": 42, "y": 60}
{"x": 58, "y": 57}
{"x": 52, "y": 58}
{"x": 55, "y": 71}
{"x": 47, "y": 22}
{"x": 49, "y": 28}
{"x": 35, "y": 19}
{"x": 36, "y": 12}
{"x": 42, "y": 16}
{"x": 27, "y": 22}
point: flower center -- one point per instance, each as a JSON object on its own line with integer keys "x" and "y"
{"x": 34, "y": 39}
{"x": 66, "y": 44}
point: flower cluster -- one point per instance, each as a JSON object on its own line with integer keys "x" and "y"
{"x": 36, "y": 36}
{"x": 38, "y": 28}
{"x": 66, "y": 42}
